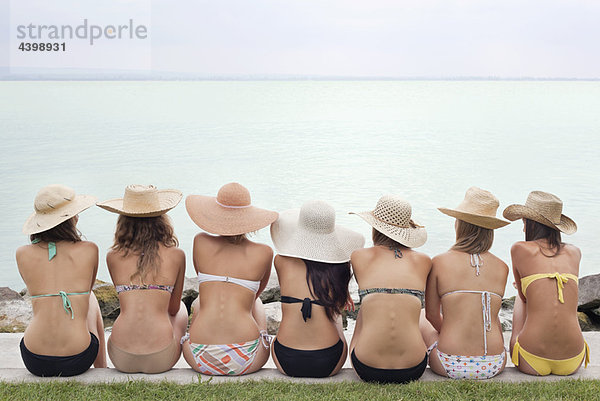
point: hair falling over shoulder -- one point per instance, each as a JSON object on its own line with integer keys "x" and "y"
{"x": 328, "y": 282}
{"x": 143, "y": 235}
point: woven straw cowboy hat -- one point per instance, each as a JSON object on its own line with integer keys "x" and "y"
{"x": 143, "y": 201}
{"x": 544, "y": 208}
{"x": 229, "y": 213}
{"x": 478, "y": 208}
{"x": 311, "y": 233}
{"x": 53, "y": 205}
{"x": 391, "y": 217}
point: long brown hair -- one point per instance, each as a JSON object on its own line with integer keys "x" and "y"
{"x": 472, "y": 239}
{"x": 143, "y": 235}
{"x": 65, "y": 231}
{"x": 535, "y": 230}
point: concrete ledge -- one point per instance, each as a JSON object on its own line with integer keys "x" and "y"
{"x": 188, "y": 376}
{"x": 13, "y": 370}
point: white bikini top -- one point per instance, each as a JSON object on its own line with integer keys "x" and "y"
{"x": 249, "y": 284}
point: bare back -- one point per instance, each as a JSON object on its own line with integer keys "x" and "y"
{"x": 551, "y": 329}
{"x": 225, "y": 313}
{"x": 462, "y": 329}
{"x": 318, "y": 332}
{"x": 72, "y": 270}
{"x": 387, "y": 329}
{"x": 143, "y": 325}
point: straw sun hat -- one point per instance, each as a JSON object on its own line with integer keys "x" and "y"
{"x": 229, "y": 213}
{"x": 478, "y": 208}
{"x": 544, "y": 208}
{"x": 311, "y": 233}
{"x": 391, "y": 217}
{"x": 53, "y": 205}
{"x": 143, "y": 201}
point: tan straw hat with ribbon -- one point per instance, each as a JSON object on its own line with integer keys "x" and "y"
{"x": 544, "y": 208}
{"x": 229, "y": 213}
{"x": 478, "y": 208}
{"x": 311, "y": 233}
{"x": 53, "y": 205}
{"x": 143, "y": 201}
{"x": 391, "y": 217}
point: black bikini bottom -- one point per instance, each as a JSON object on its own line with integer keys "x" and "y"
{"x": 370, "y": 374}
{"x": 312, "y": 363}
{"x": 46, "y": 365}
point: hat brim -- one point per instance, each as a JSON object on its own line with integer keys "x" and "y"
{"x": 40, "y": 222}
{"x": 476, "y": 219}
{"x": 167, "y": 199}
{"x": 515, "y": 212}
{"x": 407, "y": 236}
{"x": 216, "y": 219}
{"x": 292, "y": 240}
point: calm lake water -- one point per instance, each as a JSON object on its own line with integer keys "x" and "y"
{"x": 290, "y": 141}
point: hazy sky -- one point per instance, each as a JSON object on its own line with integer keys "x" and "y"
{"x": 433, "y": 38}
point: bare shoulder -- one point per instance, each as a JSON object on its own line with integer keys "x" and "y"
{"x": 572, "y": 251}
{"x": 441, "y": 258}
{"x": 422, "y": 257}
{"x": 86, "y": 247}
{"x": 498, "y": 262}
{"x": 361, "y": 256}
{"x": 22, "y": 252}
{"x": 523, "y": 248}
{"x": 175, "y": 252}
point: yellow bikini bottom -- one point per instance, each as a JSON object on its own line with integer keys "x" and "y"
{"x": 545, "y": 366}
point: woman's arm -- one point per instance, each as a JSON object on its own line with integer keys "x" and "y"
{"x": 175, "y": 301}
{"x": 432, "y": 300}
{"x": 265, "y": 279}
{"x": 516, "y": 255}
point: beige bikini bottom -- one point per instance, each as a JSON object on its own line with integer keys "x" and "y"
{"x": 155, "y": 362}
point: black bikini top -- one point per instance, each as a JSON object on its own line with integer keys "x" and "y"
{"x": 306, "y": 304}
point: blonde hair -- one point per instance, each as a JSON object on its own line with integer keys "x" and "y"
{"x": 471, "y": 238}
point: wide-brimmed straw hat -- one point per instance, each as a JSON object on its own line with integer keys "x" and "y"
{"x": 478, "y": 208}
{"x": 544, "y": 208}
{"x": 229, "y": 213}
{"x": 311, "y": 233}
{"x": 53, "y": 205}
{"x": 143, "y": 201}
{"x": 391, "y": 217}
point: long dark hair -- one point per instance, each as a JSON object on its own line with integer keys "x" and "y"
{"x": 143, "y": 235}
{"x": 535, "y": 230}
{"x": 65, "y": 231}
{"x": 328, "y": 282}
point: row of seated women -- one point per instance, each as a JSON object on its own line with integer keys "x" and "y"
{"x": 458, "y": 333}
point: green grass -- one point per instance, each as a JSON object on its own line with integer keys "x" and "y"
{"x": 281, "y": 390}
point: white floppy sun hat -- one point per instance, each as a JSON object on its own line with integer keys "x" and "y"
{"x": 311, "y": 233}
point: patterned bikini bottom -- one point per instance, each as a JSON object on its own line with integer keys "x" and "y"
{"x": 227, "y": 359}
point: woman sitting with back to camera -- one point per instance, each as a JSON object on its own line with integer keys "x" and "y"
{"x": 66, "y": 334}
{"x": 148, "y": 270}
{"x": 313, "y": 268}
{"x": 468, "y": 282}
{"x": 546, "y": 336}
{"x": 228, "y": 333}
{"x": 387, "y": 346}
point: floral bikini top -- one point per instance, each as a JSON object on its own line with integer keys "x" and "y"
{"x": 123, "y": 287}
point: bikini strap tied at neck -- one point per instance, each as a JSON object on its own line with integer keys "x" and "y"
{"x": 476, "y": 262}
